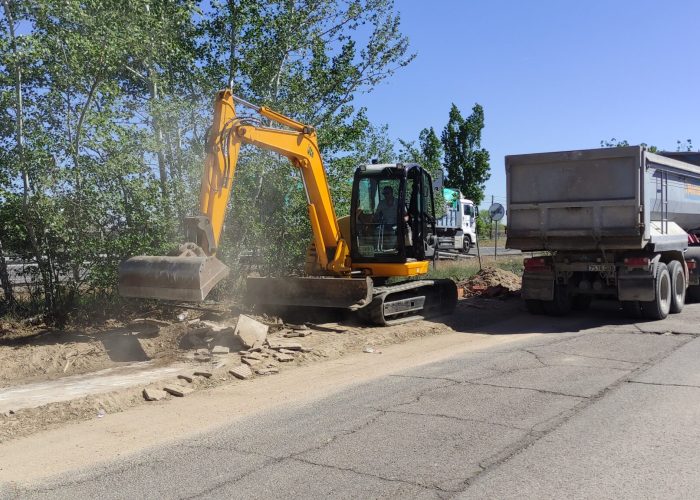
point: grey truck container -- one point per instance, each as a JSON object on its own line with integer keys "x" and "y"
{"x": 601, "y": 199}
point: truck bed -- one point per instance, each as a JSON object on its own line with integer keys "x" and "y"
{"x": 599, "y": 199}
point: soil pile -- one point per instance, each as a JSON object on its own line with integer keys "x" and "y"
{"x": 491, "y": 282}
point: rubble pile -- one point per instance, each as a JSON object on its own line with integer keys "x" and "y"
{"x": 491, "y": 282}
{"x": 237, "y": 348}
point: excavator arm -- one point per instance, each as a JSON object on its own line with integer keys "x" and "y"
{"x": 194, "y": 270}
{"x": 299, "y": 145}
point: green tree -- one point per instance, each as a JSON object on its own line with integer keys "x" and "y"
{"x": 466, "y": 162}
{"x": 81, "y": 187}
{"x": 428, "y": 154}
{"x": 614, "y": 143}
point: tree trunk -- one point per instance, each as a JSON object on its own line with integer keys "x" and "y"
{"x": 158, "y": 132}
{"x": 78, "y": 218}
{"x": 233, "y": 19}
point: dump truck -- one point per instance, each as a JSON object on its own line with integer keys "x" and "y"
{"x": 620, "y": 223}
{"x": 389, "y": 234}
{"x": 456, "y": 229}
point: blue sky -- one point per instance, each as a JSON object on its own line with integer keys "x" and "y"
{"x": 551, "y": 75}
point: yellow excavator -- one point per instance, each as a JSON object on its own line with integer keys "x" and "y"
{"x": 390, "y": 234}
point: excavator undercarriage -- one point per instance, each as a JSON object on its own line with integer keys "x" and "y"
{"x": 378, "y": 305}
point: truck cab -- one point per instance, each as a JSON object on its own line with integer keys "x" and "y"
{"x": 457, "y": 228}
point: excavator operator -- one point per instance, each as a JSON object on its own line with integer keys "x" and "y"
{"x": 387, "y": 209}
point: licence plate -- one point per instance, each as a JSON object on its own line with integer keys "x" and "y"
{"x": 601, "y": 268}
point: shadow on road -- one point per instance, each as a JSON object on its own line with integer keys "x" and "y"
{"x": 509, "y": 317}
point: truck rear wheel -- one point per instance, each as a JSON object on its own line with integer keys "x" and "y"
{"x": 561, "y": 303}
{"x": 678, "y": 286}
{"x": 467, "y": 245}
{"x": 661, "y": 305}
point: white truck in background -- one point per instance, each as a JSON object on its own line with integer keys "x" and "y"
{"x": 456, "y": 229}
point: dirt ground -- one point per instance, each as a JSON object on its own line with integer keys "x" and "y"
{"x": 34, "y": 355}
{"x": 491, "y": 282}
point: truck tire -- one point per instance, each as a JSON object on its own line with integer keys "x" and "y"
{"x": 661, "y": 305}
{"x": 678, "y": 286}
{"x": 632, "y": 309}
{"x": 534, "y": 306}
{"x": 467, "y": 244}
{"x": 561, "y": 304}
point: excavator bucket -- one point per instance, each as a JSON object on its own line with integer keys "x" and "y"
{"x": 184, "y": 278}
{"x": 345, "y": 293}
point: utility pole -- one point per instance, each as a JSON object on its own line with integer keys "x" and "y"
{"x": 491, "y": 222}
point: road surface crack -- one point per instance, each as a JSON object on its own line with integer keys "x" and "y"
{"x": 376, "y": 476}
{"x": 542, "y": 391}
{"x": 597, "y": 357}
{"x": 460, "y": 419}
{"x": 662, "y": 384}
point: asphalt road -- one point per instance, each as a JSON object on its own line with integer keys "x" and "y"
{"x": 596, "y": 407}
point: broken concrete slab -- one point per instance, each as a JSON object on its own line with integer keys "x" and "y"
{"x": 267, "y": 371}
{"x": 297, "y": 333}
{"x": 186, "y": 378}
{"x": 326, "y": 328}
{"x": 276, "y": 345}
{"x": 283, "y": 358}
{"x": 292, "y": 326}
{"x": 251, "y": 362}
{"x": 254, "y": 356}
{"x": 151, "y": 394}
{"x": 251, "y": 332}
{"x": 220, "y": 349}
{"x": 177, "y": 390}
{"x": 242, "y": 372}
{"x": 287, "y": 351}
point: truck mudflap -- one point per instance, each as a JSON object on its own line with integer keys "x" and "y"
{"x": 635, "y": 285}
{"x": 538, "y": 286}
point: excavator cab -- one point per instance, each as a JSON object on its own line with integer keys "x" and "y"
{"x": 393, "y": 218}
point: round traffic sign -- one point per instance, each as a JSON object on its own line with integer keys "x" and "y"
{"x": 496, "y": 211}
